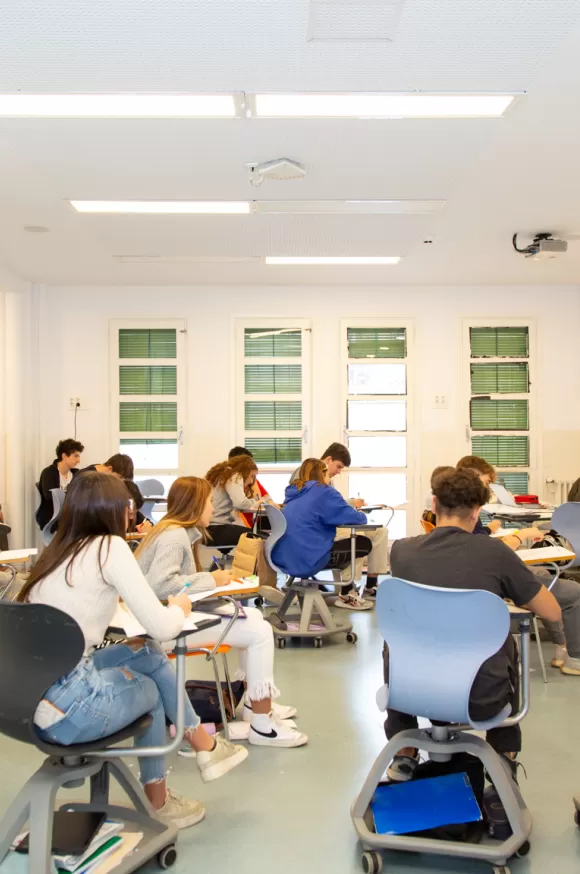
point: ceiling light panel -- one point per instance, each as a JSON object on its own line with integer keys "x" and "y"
{"x": 121, "y": 105}
{"x": 347, "y": 207}
{"x": 326, "y": 260}
{"x": 160, "y": 207}
{"x": 380, "y": 105}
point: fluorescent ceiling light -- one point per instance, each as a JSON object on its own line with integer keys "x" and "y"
{"x": 120, "y": 105}
{"x": 348, "y": 207}
{"x": 381, "y": 105}
{"x": 330, "y": 259}
{"x": 166, "y": 207}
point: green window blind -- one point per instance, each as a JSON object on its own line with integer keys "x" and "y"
{"x": 276, "y": 450}
{"x": 286, "y": 345}
{"x": 148, "y": 441}
{"x": 148, "y": 416}
{"x": 499, "y": 342}
{"x": 488, "y": 415}
{"x": 147, "y": 380}
{"x": 273, "y": 415}
{"x": 502, "y": 451}
{"x": 377, "y": 342}
{"x": 489, "y": 379}
{"x": 273, "y": 379}
{"x": 516, "y": 483}
{"x": 147, "y": 343}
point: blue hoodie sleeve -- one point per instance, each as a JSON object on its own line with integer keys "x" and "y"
{"x": 336, "y": 511}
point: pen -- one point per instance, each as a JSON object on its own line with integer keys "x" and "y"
{"x": 218, "y": 562}
{"x": 185, "y": 588}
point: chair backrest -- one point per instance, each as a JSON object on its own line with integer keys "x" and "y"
{"x": 58, "y": 496}
{"x": 150, "y": 487}
{"x": 277, "y": 530}
{"x": 38, "y": 645}
{"x": 438, "y": 639}
{"x": 427, "y": 526}
{"x": 566, "y": 521}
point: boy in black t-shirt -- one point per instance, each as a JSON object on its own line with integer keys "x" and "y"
{"x": 449, "y": 557}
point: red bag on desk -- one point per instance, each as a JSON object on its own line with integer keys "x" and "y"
{"x": 526, "y": 499}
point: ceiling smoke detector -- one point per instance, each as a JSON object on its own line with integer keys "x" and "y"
{"x": 279, "y": 168}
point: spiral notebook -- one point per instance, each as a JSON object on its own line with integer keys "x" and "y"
{"x": 401, "y": 808}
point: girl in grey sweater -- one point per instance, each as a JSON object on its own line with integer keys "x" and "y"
{"x": 169, "y": 559}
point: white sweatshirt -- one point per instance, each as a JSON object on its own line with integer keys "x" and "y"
{"x": 231, "y": 498}
{"x": 91, "y": 598}
{"x": 168, "y": 563}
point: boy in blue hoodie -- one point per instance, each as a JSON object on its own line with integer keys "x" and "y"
{"x": 313, "y": 510}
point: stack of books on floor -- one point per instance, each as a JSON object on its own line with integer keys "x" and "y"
{"x": 108, "y": 847}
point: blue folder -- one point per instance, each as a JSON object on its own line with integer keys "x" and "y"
{"x": 400, "y": 808}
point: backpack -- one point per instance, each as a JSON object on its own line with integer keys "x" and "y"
{"x": 204, "y": 700}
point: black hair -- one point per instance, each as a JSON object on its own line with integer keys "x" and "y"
{"x": 67, "y": 447}
{"x": 239, "y": 450}
{"x": 458, "y": 492}
{"x": 338, "y": 452}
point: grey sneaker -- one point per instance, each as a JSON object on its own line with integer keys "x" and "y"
{"x": 180, "y": 811}
{"x": 402, "y": 768}
{"x": 559, "y": 657}
{"x": 353, "y": 602}
{"x": 571, "y": 666}
{"x": 219, "y": 761}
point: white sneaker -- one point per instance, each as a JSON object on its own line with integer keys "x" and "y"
{"x": 280, "y": 711}
{"x": 220, "y": 760}
{"x": 353, "y": 602}
{"x": 265, "y": 731}
{"x": 180, "y": 811}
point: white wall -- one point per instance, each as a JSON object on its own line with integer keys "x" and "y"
{"x": 73, "y": 361}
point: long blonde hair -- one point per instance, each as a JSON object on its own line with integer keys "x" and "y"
{"x": 312, "y": 469}
{"x": 185, "y": 504}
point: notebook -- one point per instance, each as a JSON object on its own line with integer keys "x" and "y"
{"x": 400, "y": 808}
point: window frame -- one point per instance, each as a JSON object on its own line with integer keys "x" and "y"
{"x": 410, "y": 432}
{"x": 239, "y": 361}
{"x": 532, "y": 432}
{"x": 115, "y": 397}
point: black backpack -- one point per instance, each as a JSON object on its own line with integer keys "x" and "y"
{"x": 205, "y": 702}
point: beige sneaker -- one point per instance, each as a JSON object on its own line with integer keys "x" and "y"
{"x": 559, "y": 657}
{"x": 219, "y": 761}
{"x": 180, "y": 811}
{"x": 571, "y": 666}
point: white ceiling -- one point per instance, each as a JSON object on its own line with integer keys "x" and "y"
{"x": 498, "y": 176}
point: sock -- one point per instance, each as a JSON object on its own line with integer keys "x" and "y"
{"x": 261, "y": 721}
{"x": 372, "y": 580}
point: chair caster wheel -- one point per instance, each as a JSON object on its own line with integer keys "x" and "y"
{"x": 372, "y": 863}
{"x": 259, "y": 601}
{"x": 317, "y": 642}
{"x": 523, "y": 850}
{"x": 281, "y": 642}
{"x": 167, "y": 857}
{"x": 351, "y": 637}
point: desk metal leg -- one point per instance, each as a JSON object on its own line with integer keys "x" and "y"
{"x": 353, "y": 563}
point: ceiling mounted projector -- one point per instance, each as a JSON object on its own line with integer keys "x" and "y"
{"x": 542, "y": 247}
{"x": 279, "y": 168}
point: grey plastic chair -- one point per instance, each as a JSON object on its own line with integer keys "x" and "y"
{"x": 58, "y": 496}
{"x": 149, "y": 488}
{"x": 438, "y": 639}
{"x": 312, "y": 606}
{"x": 566, "y": 521}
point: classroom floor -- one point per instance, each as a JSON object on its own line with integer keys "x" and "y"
{"x": 285, "y": 811}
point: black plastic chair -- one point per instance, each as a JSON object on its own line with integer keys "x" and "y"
{"x": 38, "y": 645}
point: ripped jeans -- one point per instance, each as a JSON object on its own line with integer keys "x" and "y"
{"x": 109, "y": 690}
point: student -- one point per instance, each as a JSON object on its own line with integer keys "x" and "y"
{"x": 120, "y": 465}
{"x": 565, "y": 635}
{"x": 231, "y": 482}
{"x": 258, "y": 490}
{"x": 313, "y": 510}
{"x": 57, "y": 475}
{"x": 83, "y": 572}
{"x": 337, "y": 458}
{"x": 428, "y": 514}
{"x": 574, "y": 493}
{"x": 169, "y": 559}
{"x": 450, "y": 558}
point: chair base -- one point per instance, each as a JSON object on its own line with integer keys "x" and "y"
{"x": 312, "y": 606}
{"x": 496, "y": 853}
{"x": 35, "y": 804}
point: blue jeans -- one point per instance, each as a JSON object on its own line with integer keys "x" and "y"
{"x": 111, "y": 689}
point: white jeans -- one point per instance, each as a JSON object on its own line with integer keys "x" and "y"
{"x": 254, "y": 638}
{"x": 378, "y": 560}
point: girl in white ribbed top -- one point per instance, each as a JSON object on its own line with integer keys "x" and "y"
{"x": 83, "y": 572}
{"x": 169, "y": 559}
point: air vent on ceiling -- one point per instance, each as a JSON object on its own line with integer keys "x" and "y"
{"x": 353, "y": 20}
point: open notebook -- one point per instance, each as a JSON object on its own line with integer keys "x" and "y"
{"x": 129, "y": 625}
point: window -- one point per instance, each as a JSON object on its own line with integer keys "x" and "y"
{"x": 272, "y": 392}
{"x": 147, "y": 395}
{"x": 376, "y": 414}
{"x": 499, "y": 400}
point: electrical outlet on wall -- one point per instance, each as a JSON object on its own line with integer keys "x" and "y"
{"x": 76, "y": 404}
{"x": 440, "y": 402}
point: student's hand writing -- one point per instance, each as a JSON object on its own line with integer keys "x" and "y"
{"x": 494, "y": 525}
{"x": 181, "y": 601}
{"x": 357, "y": 503}
{"x": 222, "y": 578}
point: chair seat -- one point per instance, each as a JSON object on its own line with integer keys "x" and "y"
{"x": 223, "y": 649}
{"x": 135, "y": 729}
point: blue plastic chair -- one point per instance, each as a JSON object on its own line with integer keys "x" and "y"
{"x": 438, "y": 640}
{"x": 566, "y": 521}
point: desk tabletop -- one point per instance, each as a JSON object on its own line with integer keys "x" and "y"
{"x": 546, "y": 555}
{"x": 124, "y": 622}
{"x": 17, "y": 556}
{"x": 363, "y": 526}
{"x": 159, "y": 499}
